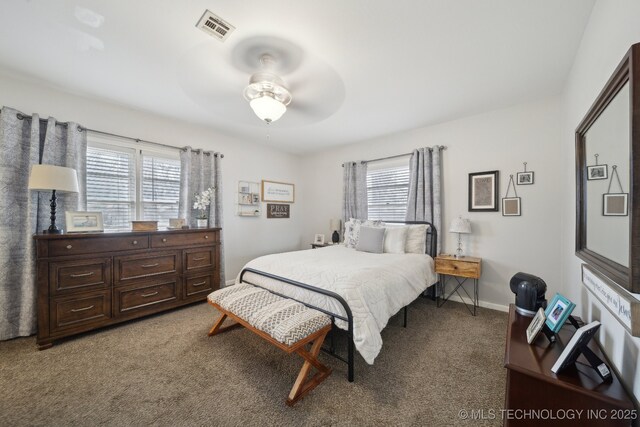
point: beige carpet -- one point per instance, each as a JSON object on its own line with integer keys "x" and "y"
{"x": 164, "y": 370}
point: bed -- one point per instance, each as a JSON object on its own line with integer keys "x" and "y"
{"x": 360, "y": 290}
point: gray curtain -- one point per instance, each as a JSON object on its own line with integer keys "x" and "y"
{"x": 24, "y": 142}
{"x": 200, "y": 170}
{"x": 354, "y": 191}
{"x": 425, "y": 188}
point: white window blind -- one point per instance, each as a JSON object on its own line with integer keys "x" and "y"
{"x": 160, "y": 189}
{"x": 128, "y": 184}
{"x": 111, "y": 177}
{"x": 387, "y": 192}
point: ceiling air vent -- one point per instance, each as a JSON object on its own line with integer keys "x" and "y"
{"x": 212, "y": 24}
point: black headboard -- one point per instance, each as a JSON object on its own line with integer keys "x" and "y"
{"x": 432, "y": 235}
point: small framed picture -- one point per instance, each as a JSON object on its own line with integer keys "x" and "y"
{"x": 524, "y": 178}
{"x": 615, "y": 204}
{"x": 511, "y": 206}
{"x": 573, "y": 349}
{"x": 83, "y": 222}
{"x": 176, "y": 223}
{"x": 557, "y": 312}
{"x": 536, "y": 325}
{"x": 597, "y": 172}
{"x": 319, "y": 239}
{"x": 483, "y": 191}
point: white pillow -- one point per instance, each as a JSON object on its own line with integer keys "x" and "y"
{"x": 395, "y": 239}
{"x": 416, "y": 239}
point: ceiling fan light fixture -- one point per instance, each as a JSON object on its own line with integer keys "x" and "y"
{"x": 267, "y": 96}
{"x": 267, "y": 108}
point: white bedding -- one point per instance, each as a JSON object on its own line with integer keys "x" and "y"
{"x": 375, "y": 286}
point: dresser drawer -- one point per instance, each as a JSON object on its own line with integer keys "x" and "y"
{"x": 81, "y": 246}
{"x": 145, "y": 296}
{"x": 79, "y": 310}
{"x": 458, "y": 267}
{"x": 199, "y": 285}
{"x": 169, "y": 240}
{"x": 80, "y": 275}
{"x": 140, "y": 266}
{"x": 197, "y": 259}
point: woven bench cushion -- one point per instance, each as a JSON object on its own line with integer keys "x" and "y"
{"x": 285, "y": 320}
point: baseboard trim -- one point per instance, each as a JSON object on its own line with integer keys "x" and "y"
{"x": 484, "y": 304}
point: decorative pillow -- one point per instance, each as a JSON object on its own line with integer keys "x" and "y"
{"x": 395, "y": 239}
{"x": 371, "y": 239}
{"x": 352, "y": 230}
{"x": 416, "y": 239}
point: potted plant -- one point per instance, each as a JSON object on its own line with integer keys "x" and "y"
{"x": 202, "y": 202}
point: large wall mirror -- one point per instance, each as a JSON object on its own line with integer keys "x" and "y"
{"x": 607, "y": 183}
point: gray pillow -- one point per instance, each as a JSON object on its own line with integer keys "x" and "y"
{"x": 371, "y": 240}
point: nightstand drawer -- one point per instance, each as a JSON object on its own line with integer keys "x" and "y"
{"x": 458, "y": 267}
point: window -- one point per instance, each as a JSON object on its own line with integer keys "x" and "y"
{"x": 127, "y": 184}
{"x": 388, "y": 190}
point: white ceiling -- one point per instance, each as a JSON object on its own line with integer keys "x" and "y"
{"x": 366, "y": 67}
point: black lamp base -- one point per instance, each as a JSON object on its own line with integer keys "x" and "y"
{"x": 53, "y": 229}
{"x": 335, "y": 237}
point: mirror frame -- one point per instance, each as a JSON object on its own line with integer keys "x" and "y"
{"x": 627, "y": 71}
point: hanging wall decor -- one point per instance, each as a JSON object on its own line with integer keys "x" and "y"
{"x": 483, "y": 191}
{"x": 248, "y": 198}
{"x": 511, "y": 205}
{"x": 597, "y": 171}
{"x": 526, "y": 177}
{"x": 615, "y": 204}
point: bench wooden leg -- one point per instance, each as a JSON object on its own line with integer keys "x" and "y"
{"x": 302, "y": 386}
{"x": 217, "y": 327}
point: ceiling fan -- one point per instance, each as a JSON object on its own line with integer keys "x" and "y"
{"x": 266, "y": 93}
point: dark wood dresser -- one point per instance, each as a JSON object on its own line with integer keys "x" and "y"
{"x": 532, "y": 386}
{"x": 86, "y": 281}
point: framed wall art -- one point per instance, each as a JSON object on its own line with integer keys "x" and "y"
{"x": 278, "y": 192}
{"x": 483, "y": 191}
{"x": 526, "y": 177}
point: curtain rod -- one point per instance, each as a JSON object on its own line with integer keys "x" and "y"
{"x": 22, "y": 116}
{"x": 442, "y": 147}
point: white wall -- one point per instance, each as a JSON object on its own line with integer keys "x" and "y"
{"x": 244, "y": 238}
{"x": 501, "y": 140}
{"x": 612, "y": 29}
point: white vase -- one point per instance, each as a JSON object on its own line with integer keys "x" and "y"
{"x": 201, "y": 223}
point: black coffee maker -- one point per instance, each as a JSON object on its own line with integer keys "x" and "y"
{"x": 529, "y": 290}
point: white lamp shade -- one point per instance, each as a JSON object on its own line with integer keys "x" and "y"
{"x": 49, "y": 177}
{"x": 267, "y": 108}
{"x": 335, "y": 224}
{"x": 460, "y": 225}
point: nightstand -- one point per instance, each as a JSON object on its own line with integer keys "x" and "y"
{"x": 320, "y": 245}
{"x": 460, "y": 269}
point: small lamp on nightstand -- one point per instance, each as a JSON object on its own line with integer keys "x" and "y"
{"x": 460, "y": 226}
{"x": 53, "y": 178}
{"x": 335, "y": 224}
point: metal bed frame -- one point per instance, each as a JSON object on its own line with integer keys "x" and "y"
{"x": 431, "y": 249}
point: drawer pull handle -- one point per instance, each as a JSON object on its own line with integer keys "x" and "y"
{"x": 206, "y": 237}
{"x": 199, "y": 284}
{"x": 149, "y": 265}
{"x": 82, "y": 274}
{"x": 75, "y": 310}
{"x": 199, "y": 258}
{"x": 69, "y": 246}
{"x": 164, "y": 240}
{"x": 135, "y": 242}
{"x": 149, "y": 295}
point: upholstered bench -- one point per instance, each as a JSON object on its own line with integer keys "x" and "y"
{"x": 285, "y": 323}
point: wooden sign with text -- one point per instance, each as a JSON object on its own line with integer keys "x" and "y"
{"x": 277, "y": 210}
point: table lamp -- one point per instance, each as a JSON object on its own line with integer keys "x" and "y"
{"x": 460, "y": 226}
{"x": 53, "y": 178}
{"x": 335, "y": 224}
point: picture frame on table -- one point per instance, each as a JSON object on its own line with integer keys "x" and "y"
{"x": 557, "y": 312}
{"x": 318, "y": 239}
{"x": 536, "y": 325}
{"x": 615, "y": 204}
{"x": 596, "y": 172}
{"x": 483, "y": 191}
{"x": 83, "y": 221}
